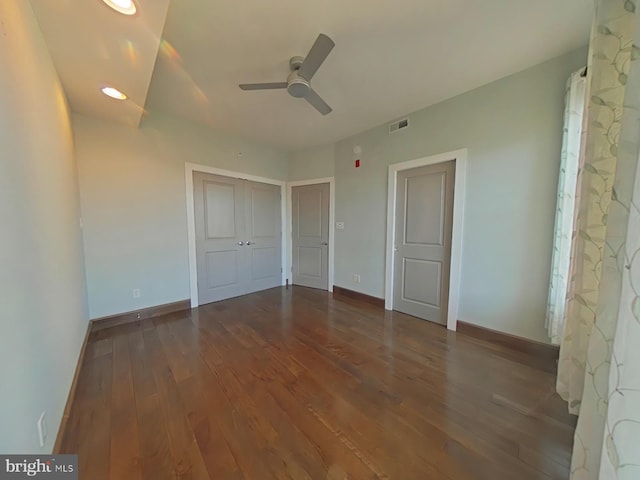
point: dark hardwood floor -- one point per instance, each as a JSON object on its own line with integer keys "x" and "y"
{"x": 294, "y": 384}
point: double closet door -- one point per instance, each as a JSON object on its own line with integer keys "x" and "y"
{"x": 238, "y": 236}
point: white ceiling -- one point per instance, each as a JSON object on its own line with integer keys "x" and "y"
{"x": 93, "y": 46}
{"x": 391, "y": 57}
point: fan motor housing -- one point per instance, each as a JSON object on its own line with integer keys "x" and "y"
{"x": 297, "y": 86}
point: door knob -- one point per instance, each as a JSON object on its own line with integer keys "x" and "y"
{"x": 240, "y": 243}
{"x": 250, "y": 243}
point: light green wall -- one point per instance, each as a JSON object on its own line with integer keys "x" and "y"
{"x": 42, "y": 288}
{"x": 134, "y": 208}
{"x": 512, "y": 129}
{"x": 311, "y": 163}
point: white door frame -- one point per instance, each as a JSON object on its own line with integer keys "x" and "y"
{"x": 189, "y": 168}
{"x": 331, "y": 181}
{"x": 460, "y": 156}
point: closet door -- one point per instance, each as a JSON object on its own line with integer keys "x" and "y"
{"x": 220, "y": 237}
{"x": 263, "y": 243}
{"x": 238, "y": 236}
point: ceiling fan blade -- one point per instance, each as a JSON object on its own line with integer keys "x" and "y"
{"x": 318, "y": 103}
{"x": 263, "y": 86}
{"x": 318, "y": 53}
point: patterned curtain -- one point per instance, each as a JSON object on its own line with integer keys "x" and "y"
{"x": 621, "y": 437}
{"x": 599, "y": 368}
{"x": 565, "y": 209}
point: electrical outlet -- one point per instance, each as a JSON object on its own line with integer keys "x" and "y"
{"x": 356, "y": 278}
{"x": 340, "y": 225}
{"x": 136, "y": 293}
{"x": 42, "y": 428}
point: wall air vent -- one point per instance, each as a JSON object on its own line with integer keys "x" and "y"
{"x": 399, "y": 125}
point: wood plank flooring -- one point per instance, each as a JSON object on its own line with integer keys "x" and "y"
{"x": 294, "y": 384}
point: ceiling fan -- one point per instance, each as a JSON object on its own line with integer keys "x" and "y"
{"x": 298, "y": 82}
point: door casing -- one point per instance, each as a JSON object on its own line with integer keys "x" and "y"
{"x": 191, "y": 224}
{"x": 460, "y": 157}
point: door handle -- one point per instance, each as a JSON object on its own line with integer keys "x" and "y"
{"x": 250, "y": 243}
{"x": 324, "y": 243}
{"x": 240, "y": 243}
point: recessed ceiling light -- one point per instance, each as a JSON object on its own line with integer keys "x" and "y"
{"x": 127, "y": 7}
{"x": 114, "y": 93}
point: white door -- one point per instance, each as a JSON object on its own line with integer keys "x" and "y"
{"x": 310, "y": 235}
{"x": 238, "y": 236}
{"x": 424, "y": 218}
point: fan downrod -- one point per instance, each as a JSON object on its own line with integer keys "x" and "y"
{"x": 295, "y": 63}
